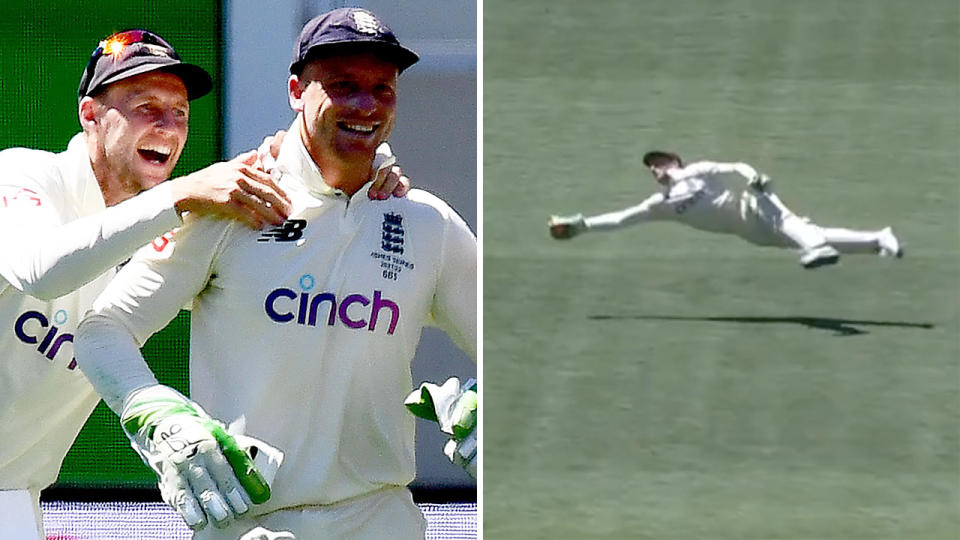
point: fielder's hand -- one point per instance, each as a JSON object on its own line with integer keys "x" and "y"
{"x": 388, "y": 179}
{"x": 454, "y": 408}
{"x": 204, "y": 474}
{"x": 760, "y": 182}
{"x": 269, "y": 150}
{"x": 565, "y": 227}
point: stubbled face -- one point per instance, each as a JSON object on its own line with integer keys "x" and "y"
{"x": 140, "y": 128}
{"x": 349, "y": 106}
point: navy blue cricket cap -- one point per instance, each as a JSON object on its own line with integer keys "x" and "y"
{"x": 347, "y": 31}
{"x": 134, "y": 52}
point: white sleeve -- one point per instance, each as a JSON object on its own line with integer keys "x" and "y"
{"x": 455, "y": 301}
{"x": 710, "y": 168}
{"x": 46, "y": 259}
{"x": 649, "y": 210}
{"x": 143, "y": 298}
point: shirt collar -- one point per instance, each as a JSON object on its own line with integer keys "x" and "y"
{"x": 294, "y": 159}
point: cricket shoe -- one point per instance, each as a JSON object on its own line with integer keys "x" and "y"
{"x": 819, "y": 256}
{"x": 888, "y": 245}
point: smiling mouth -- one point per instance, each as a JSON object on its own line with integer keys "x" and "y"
{"x": 358, "y": 129}
{"x": 155, "y": 154}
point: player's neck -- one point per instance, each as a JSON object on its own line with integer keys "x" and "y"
{"x": 111, "y": 186}
{"x": 346, "y": 175}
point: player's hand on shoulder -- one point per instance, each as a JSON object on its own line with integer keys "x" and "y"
{"x": 236, "y": 189}
{"x": 269, "y": 150}
{"x": 566, "y": 227}
{"x": 389, "y": 182}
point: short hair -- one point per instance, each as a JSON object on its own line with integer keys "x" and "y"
{"x": 659, "y": 157}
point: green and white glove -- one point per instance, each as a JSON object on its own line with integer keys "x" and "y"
{"x": 205, "y": 473}
{"x": 454, "y": 408}
{"x": 566, "y": 227}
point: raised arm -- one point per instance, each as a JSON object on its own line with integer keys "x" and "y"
{"x": 47, "y": 253}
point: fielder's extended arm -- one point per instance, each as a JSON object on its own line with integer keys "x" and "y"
{"x": 565, "y": 227}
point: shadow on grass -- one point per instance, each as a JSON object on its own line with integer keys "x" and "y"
{"x": 840, "y": 327}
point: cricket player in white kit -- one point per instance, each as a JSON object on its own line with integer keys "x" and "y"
{"x": 66, "y": 220}
{"x": 698, "y": 195}
{"x": 304, "y": 334}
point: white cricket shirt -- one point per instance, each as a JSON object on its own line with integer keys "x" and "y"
{"x": 305, "y": 332}
{"x": 58, "y": 247}
{"x": 698, "y": 196}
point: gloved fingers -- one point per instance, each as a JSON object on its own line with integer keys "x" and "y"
{"x": 227, "y": 484}
{"x": 176, "y": 492}
{"x": 192, "y": 466}
{"x": 463, "y": 453}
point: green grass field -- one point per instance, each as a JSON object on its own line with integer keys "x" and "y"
{"x": 663, "y": 383}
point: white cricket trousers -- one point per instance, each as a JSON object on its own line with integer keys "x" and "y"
{"x": 20, "y": 517}
{"x": 389, "y": 513}
{"x": 768, "y": 222}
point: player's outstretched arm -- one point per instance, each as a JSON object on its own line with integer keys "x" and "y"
{"x": 652, "y": 208}
{"x": 46, "y": 258}
{"x": 454, "y": 408}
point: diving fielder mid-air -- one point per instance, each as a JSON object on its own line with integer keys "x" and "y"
{"x": 698, "y": 195}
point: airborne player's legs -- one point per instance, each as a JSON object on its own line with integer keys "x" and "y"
{"x": 774, "y": 224}
{"x": 815, "y": 250}
{"x": 852, "y": 241}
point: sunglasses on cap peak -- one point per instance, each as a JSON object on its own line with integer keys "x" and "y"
{"x": 117, "y": 46}
{"x": 133, "y": 52}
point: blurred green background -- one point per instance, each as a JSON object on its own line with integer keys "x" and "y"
{"x": 659, "y": 382}
{"x": 44, "y": 48}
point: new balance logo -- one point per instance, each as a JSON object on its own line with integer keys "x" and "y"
{"x": 291, "y": 230}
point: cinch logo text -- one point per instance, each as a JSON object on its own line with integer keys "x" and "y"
{"x": 284, "y": 305}
{"x": 26, "y": 329}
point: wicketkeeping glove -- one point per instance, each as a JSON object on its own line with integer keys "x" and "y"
{"x": 564, "y": 227}
{"x": 204, "y": 473}
{"x": 454, "y": 408}
{"x": 760, "y": 182}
